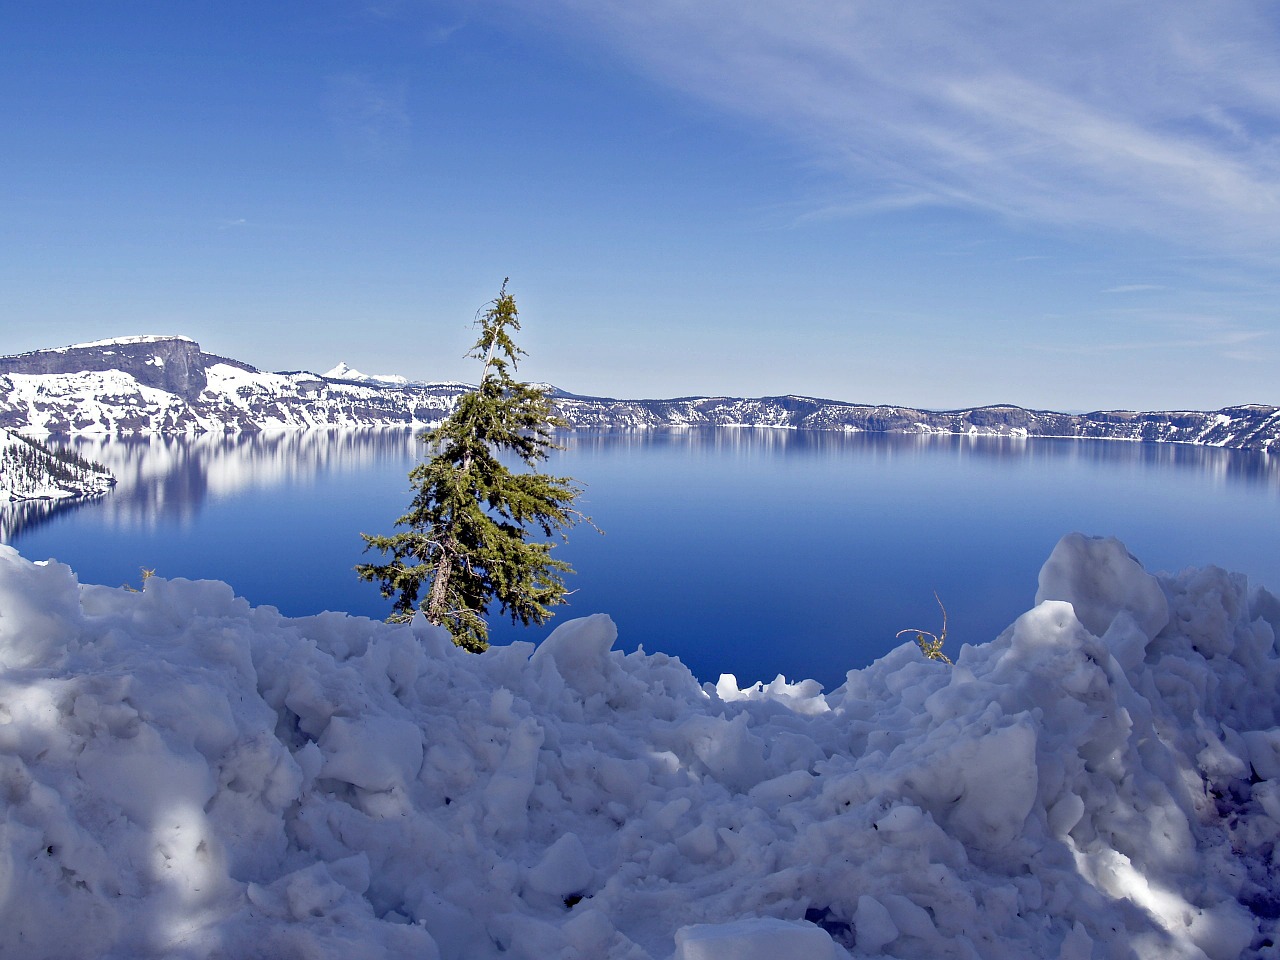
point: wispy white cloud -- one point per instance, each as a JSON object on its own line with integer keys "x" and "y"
{"x": 1148, "y": 346}
{"x": 1134, "y": 288}
{"x": 432, "y": 22}
{"x": 1170, "y": 331}
{"x": 1157, "y": 118}
{"x": 370, "y": 117}
{"x": 1244, "y": 356}
{"x": 881, "y": 203}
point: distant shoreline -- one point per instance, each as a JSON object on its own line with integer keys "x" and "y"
{"x": 168, "y": 386}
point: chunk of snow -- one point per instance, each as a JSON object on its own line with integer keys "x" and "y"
{"x": 374, "y": 753}
{"x": 1099, "y": 578}
{"x": 765, "y": 938}
{"x": 1264, "y": 752}
{"x": 563, "y": 869}
{"x": 579, "y": 650}
{"x": 875, "y": 928}
{"x": 39, "y": 611}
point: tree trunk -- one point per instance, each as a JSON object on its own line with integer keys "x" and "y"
{"x": 437, "y": 604}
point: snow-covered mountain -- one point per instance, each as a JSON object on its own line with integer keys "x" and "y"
{"x": 344, "y": 372}
{"x": 139, "y": 385}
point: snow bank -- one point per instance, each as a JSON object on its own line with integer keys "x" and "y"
{"x": 183, "y": 776}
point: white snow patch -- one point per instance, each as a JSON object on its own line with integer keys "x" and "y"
{"x": 765, "y": 938}
{"x": 120, "y": 341}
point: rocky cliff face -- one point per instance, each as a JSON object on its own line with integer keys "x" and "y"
{"x": 143, "y": 385}
{"x": 172, "y": 364}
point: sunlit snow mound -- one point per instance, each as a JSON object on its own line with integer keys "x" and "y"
{"x": 183, "y": 776}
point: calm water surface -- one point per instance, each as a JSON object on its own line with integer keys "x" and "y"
{"x": 750, "y": 552}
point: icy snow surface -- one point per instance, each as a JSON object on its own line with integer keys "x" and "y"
{"x": 183, "y": 776}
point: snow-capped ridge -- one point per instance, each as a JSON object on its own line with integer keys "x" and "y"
{"x": 344, "y": 372}
{"x": 126, "y": 341}
{"x": 167, "y": 385}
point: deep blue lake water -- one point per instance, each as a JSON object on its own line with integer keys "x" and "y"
{"x": 742, "y": 551}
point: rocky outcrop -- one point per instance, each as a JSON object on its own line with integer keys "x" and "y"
{"x": 141, "y": 385}
{"x": 172, "y": 364}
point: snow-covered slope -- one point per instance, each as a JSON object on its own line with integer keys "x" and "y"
{"x": 136, "y": 385}
{"x": 186, "y": 776}
{"x": 167, "y": 385}
{"x": 29, "y": 470}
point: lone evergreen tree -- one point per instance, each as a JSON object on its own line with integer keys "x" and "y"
{"x": 466, "y": 538}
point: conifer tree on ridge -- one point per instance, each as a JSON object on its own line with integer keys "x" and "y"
{"x": 466, "y": 538}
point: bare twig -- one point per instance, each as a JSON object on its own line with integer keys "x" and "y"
{"x": 931, "y": 643}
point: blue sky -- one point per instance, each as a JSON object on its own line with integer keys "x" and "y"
{"x": 932, "y": 204}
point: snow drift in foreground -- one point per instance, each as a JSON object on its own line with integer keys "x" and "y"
{"x": 183, "y": 775}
